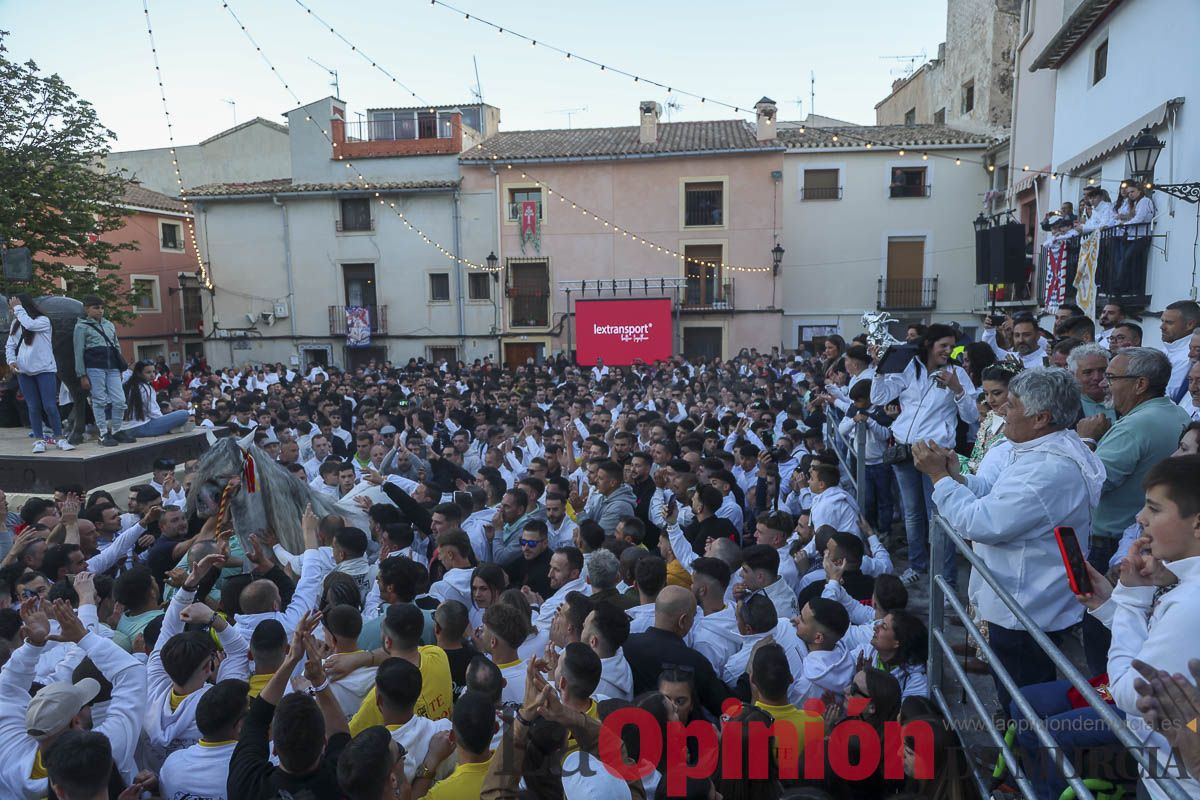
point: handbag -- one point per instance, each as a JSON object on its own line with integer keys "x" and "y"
{"x": 897, "y": 453}
{"x": 122, "y": 364}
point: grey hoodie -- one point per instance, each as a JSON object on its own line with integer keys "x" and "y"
{"x": 609, "y": 511}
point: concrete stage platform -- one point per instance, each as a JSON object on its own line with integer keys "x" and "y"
{"x": 22, "y": 471}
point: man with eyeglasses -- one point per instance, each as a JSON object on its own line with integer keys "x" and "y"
{"x": 532, "y": 570}
{"x": 1125, "y": 334}
{"x": 1191, "y": 401}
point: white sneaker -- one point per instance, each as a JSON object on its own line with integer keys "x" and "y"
{"x": 39, "y": 446}
{"x": 910, "y": 576}
{"x": 63, "y": 444}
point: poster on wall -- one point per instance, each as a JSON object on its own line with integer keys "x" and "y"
{"x": 622, "y": 331}
{"x": 358, "y": 326}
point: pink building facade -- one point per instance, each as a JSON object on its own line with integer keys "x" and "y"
{"x": 706, "y": 190}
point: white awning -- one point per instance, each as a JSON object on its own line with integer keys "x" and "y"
{"x": 1106, "y": 147}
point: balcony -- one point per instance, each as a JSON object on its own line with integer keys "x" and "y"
{"x": 528, "y": 306}
{"x": 384, "y": 138}
{"x": 1121, "y": 264}
{"x": 337, "y": 320}
{"x": 821, "y": 193}
{"x": 906, "y": 294}
{"x": 707, "y": 296}
{"x": 909, "y": 190}
{"x": 354, "y": 226}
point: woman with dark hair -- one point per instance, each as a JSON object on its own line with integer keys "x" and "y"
{"x": 933, "y": 396}
{"x": 873, "y": 697}
{"x": 758, "y": 788}
{"x": 948, "y": 777}
{"x": 995, "y": 380}
{"x": 900, "y": 647}
{"x": 143, "y": 417}
{"x": 977, "y": 356}
{"x": 30, "y": 353}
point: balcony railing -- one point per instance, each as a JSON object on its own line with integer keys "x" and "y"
{"x": 708, "y": 296}
{"x": 514, "y": 211}
{"x": 528, "y": 306}
{"x": 1122, "y": 260}
{"x": 910, "y": 190}
{"x": 354, "y": 226}
{"x": 388, "y": 130}
{"x": 337, "y": 320}
{"x": 822, "y": 193}
{"x": 905, "y": 294}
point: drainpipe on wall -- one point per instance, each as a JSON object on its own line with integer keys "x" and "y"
{"x": 459, "y": 277}
{"x": 287, "y": 263}
{"x": 499, "y": 255}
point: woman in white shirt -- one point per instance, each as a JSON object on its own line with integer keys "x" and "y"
{"x": 933, "y": 395}
{"x": 143, "y": 417}
{"x": 30, "y": 353}
{"x": 1135, "y": 222}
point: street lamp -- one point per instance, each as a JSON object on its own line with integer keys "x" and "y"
{"x": 492, "y": 261}
{"x": 776, "y": 258}
{"x": 1141, "y": 155}
{"x": 981, "y": 223}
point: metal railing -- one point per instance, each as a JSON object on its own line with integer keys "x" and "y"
{"x": 910, "y": 190}
{"x": 941, "y": 654}
{"x": 821, "y": 193}
{"x": 354, "y": 226}
{"x": 717, "y": 298}
{"x": 400, "y": 129}
{"x": 337, "y": 320}
{"x": 703, "y": 207}
{"x": 853, "y": 466}
{"x": 898, "y": 294}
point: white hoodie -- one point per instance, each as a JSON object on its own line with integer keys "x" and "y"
{"x": 836, "y": 508}
{"x": 454, "y": 585}
{"x": 34, "y": 358}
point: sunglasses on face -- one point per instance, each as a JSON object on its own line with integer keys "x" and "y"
{"x": 529, "y": 542}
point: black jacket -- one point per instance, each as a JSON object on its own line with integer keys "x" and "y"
{"x": 253, "y": 776}
{"x": 533, "y": 573}
{"x": 651, "y": 652}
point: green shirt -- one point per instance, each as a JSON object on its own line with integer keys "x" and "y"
{"x": 1091, "y": 408}
{"x": 130, "y": 625}
{"x": 1135, "y": 443}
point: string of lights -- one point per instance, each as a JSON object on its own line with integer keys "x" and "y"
{"x": 202, "y": 268}
{"x": 550, "y": 191}
{"x": 350, "y": 164}
{"x": 868, "y": 143}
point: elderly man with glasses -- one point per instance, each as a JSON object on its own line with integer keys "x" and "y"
{"x": 1146, "y": 431}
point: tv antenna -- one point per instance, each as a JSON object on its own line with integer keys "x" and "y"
{"x": 570, "y": 112}
{"x": 233, "y": 106}
{"x": 672, "y": 104}
{"x": 907, "y": 64}
{"x": 812, "y": 93}
{"x": 337, "y": 89}
{"x": 478, "y": 90}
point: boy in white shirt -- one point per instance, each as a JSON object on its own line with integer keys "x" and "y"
{"x": 202, "y": 770}
{"x": 342, "y": 625}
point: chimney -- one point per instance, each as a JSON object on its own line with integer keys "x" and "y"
{"x": 650, "y": 111}
{"x": 765, "y": 122}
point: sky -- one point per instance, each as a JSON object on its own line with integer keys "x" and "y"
{"x": 736, "y": 52}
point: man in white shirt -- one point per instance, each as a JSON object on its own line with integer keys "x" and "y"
{"x": 322, "y": 450}
{"x": 397, "y": 689}
{"x": 1179, "y": 320}
{"x": 559, "y": 526}
{"x": 760, "y": 573}
{"x": 1027, "y": 341}
{"x": 1191, "y": 400}
{"x": 1052, "y": 479}
{"x": 604, "y": 630}
{"x": 203, "y": 769}
{"x": 503, "y": 631}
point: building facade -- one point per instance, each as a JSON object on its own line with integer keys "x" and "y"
{"x": 372, "y": 215}
{"x": 878, "y": 218}
{"x": 1118, "y": 67}
{"x": 705, "y": 190}
{"x": 969, "y": 85}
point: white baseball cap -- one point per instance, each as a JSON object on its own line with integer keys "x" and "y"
{"x": 52, "y": 709}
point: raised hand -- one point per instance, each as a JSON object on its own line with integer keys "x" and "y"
{"x": 35, "y": 625}
{"x": 71, "y": 628}
{"x": 197, "y": 613}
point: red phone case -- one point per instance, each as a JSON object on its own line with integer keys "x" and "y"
{"x": 1075, "y": 588}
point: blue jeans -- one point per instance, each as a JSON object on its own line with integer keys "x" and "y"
{"x": 107, "y": 391}
{"x": 1072, "y": 729}
{"x": 160, "y": 425}
{"x": 41, "y": 395}
{"x": 877, "y": 496}
{"x": 1020, "y": 656}
{"x": 916, "y": 495}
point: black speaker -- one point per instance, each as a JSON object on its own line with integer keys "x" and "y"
{"x": 983, "y": 268}
{"x": 18, "y": 264}
{"x": 1006, "y": 251}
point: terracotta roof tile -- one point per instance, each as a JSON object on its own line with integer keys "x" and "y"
{"x": 886, "y": 135}
{"x": 674, "y": 138}
{"x": 285, "y": 186}
{"x": 137, "y": 195}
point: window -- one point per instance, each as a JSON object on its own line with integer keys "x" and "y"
{"x": 704, "y": 204}
{"x": 144, "y": 292}
{"x": 193, "y": 304}
{"x": 821, "y": 184}
{"x": 905, "y": 284}
{"x": 529, "y": 294}
{"x": 356, "y": 214}
{"x": 968, "y": 97}
{"x": 1100, "y": 62}
{"x": 150, "y": 352}
{"x": 702, "y": 342}
{"x": 393, "y": 125}
{"x": 518, "y": 196}
{"x": 479, "y": 286}
{"x": 448, "y": 354}
{"x": 910, "y": 117}
{"x": 939, "y": 117}
{"x": 439, "y": 287}
{"x": 170, "y": 235}
{"x": 702, "y": 268}
{"x": 1026, "y": 16}
{"x": 909, "y": 182}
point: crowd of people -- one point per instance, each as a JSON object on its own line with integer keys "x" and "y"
{"x": 550, "y": 552}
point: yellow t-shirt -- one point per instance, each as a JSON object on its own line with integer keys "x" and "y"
{"x": 798, "y": 718}
{"x": 465, "y": 783}
{"x": 38, "y": 772}
{"x": 258, "y": 683}
{"x": 436, "y": 692}
{"x": 593, "y": 712}
{"x": 677, "y": 575}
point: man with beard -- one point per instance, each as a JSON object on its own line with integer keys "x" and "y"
{"x": 564, "y": 578}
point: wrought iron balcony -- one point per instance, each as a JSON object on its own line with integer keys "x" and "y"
{"x": 910, "y": 190}
{"x": 822, "y": 192}
{"x": 906, "y": 294}
{"x": 337, "y": 320}
{"x": 707, "y": 296}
